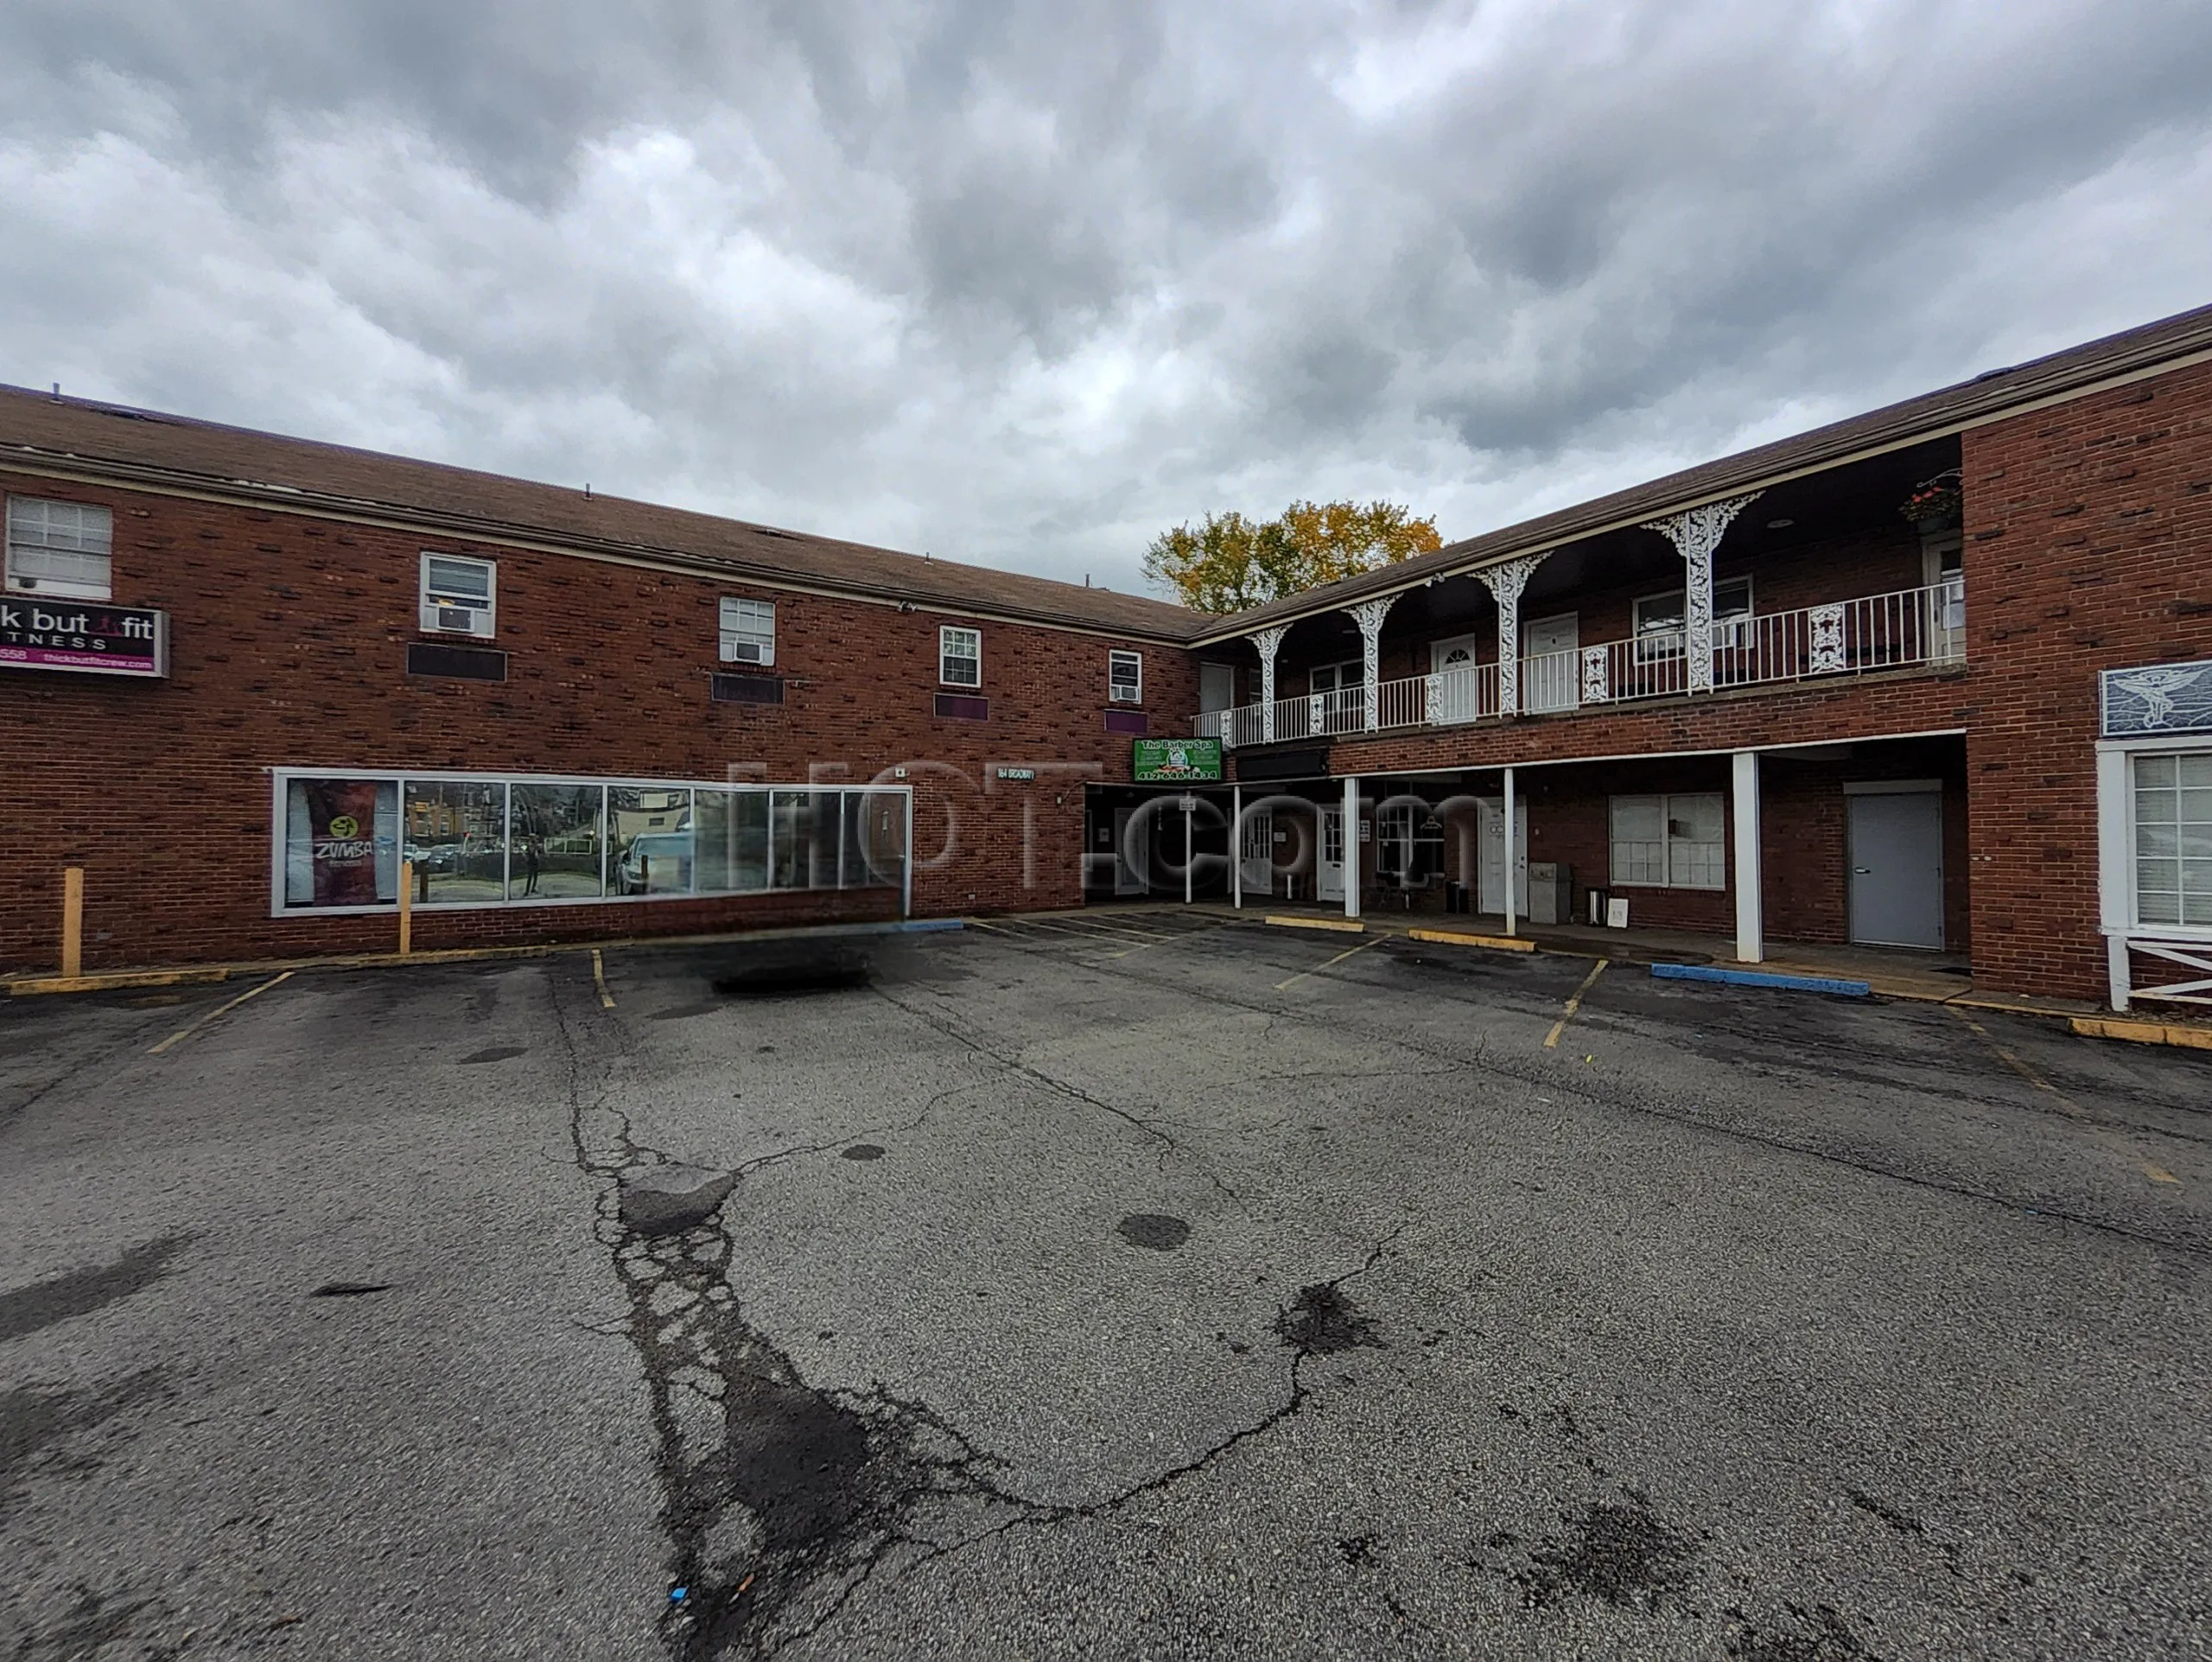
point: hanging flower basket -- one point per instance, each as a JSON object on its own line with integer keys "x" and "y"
{"x": 1937, "y": 504}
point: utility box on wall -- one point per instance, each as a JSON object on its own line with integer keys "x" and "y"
{"x": 1551, "y": 892}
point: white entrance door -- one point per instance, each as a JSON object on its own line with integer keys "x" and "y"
{"x": 1489, "y": 839}
{"x": 1896, "y": 868}
{"x": 1256, "y": 851}
{"x": 1329, "y": 869}
{"x": 1128, "y": 880}
{"x": 1550, "y": 663}
{"x": 1452, "y": 683}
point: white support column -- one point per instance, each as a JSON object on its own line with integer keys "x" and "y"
{"x": 1268, "y": 642}
{"x": 1190, "y": 849}
{"x": 1369, "y": 615}
{"x": 1236, "y": 847}
{"x": 1351, "y": 846}
{"x": 1751, "y": 894}
{"x": 1509, "y": 886}
{"x": 2115, "y": 873}
{"x": 1505, "y": 584}
{"x": 1696, "y": 532}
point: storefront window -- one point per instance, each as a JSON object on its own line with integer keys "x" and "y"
{"x": 875, "y": 838}
{"x": 554, "y": 842}
{"x": 456, "y": 836}
{"x": 341, "y": 842}
{"x": 792, "y": 841}
{"x": 1670, "y": 842}
{"x": 730, "y": 840}
{"x": 653, "y": 844}
{"x": 2173, "y": 838}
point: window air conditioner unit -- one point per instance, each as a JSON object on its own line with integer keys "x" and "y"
{"x": 750, "y": 652}
{"x": 456, "y": 614}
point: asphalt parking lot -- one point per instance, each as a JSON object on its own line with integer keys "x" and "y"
{"x": 1127, "y": 1284}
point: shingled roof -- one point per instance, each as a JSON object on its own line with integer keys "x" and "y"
{"x": 1985, "y": 397}
{"x": 39, "y": 432}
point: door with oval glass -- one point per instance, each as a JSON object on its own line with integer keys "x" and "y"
{"x": 1452, "y": 695}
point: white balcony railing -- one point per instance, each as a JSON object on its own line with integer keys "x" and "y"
{"x": 1910, "y": 628}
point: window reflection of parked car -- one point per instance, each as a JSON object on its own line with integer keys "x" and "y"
{"x": 656, "y": 863}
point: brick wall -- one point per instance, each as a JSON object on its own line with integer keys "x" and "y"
{"x": 2088, "y": 546}
{"x": 288, "y": 642}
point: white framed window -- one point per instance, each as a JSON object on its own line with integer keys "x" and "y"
{"x": 960, "y": 656}
{"x": 748, "y": 631}
{"x": 2171, "y": 803}
{"x": 60, "y": 549}
{"x": 459, "y": 595}
{"x": 1661, "y": 621}
{"x": 1669, "y": 842}
{"x": 1125, "y": 678}
{"x": 1337, "y": 677}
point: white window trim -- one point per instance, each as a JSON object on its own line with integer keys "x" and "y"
{"x": 1667, "y": 844}
{"x": 944, "y": 633}
{"x": 1731, "y": 623}
{"x": 725, "y": 637}
{"x": 1114, "y": 696}
{"x": 1337, "y": 670}
{"x": 8, "y": 584}
{"x": 2117, "y": 918}
{"x": 424, "y": 605}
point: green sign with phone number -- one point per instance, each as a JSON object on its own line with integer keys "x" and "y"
{"x": 1176, "y": 761}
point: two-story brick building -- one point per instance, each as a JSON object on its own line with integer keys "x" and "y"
{"x": 1936, "y": 677}
{"x": 1939, "y": 677}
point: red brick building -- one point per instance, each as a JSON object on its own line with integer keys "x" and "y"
{"x": 1937, "y": 678}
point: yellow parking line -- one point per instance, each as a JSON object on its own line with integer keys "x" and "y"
{"x": 1338, "y": 959}
{"x": 2073, "y": 1110}
{"x": 598, "y": 979}
{"x": 184, "y": 1033}
{"x": 1575, "y": 1004}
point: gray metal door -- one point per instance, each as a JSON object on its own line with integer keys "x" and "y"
{"x": 1896, "y": 868}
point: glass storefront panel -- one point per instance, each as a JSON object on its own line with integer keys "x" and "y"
{"x": 792, "y": 840}
{"x": 456, "y": 836}
{"x": 653, "y": 839}
{"x": 341, "y": 842}
{"x": 730, "y": 839}
{"x": 554, "y": 842}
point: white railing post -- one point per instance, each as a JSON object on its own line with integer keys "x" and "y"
{"x": 1505, "y": 584}
{"x": 1369, "y": 615}
{"x": 1268, "y": 642}
{"x": 1695, "y": 533}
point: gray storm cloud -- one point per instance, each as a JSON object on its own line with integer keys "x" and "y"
{"x": 1023, "y": 283}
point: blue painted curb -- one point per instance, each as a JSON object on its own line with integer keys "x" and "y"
{"x": 927, "y": 925}
{"x": 1761, "y": 978}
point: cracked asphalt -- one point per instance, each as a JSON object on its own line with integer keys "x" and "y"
{"x": 1133, "y": 1284}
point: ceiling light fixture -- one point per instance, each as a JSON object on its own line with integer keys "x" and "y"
{"x": 1780, "y": 525}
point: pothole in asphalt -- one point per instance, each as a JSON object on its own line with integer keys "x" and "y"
{"x": 863, "y": 1151}
{"x": 350, "y": 1288}
{"x": 1322, "y": 1322}
{"x": 496, "y": 1054}
{"x": 792, "y": 971}
{"x": 1153, "y": 1231}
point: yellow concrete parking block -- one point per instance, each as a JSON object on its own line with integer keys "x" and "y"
{"x": 2143, "y": 1033}
{"x": 1341, "y": 926}
{"x": 1456, "y": 938}
{"x": 30, "y": 985}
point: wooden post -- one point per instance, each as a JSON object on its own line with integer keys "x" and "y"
{"x": 406, "y": 907}
{"x": 73, "y": 922}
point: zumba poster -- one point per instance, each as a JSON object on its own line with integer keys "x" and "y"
{"x": 342, "y": 836}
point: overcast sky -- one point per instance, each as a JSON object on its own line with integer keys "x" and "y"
{"x": 1024, "y": 284}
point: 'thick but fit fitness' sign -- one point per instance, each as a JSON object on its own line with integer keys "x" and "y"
{"x": 87, "y": 636}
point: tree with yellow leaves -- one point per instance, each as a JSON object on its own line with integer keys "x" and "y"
{"x": 1227, "y": 563}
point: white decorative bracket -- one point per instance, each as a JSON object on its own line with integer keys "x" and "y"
{"x": 1369, "y": 615}
{"x": 1505, "y": 584}
{"x": 1269, "y": 642}
{"x": 1696, "y": 532}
